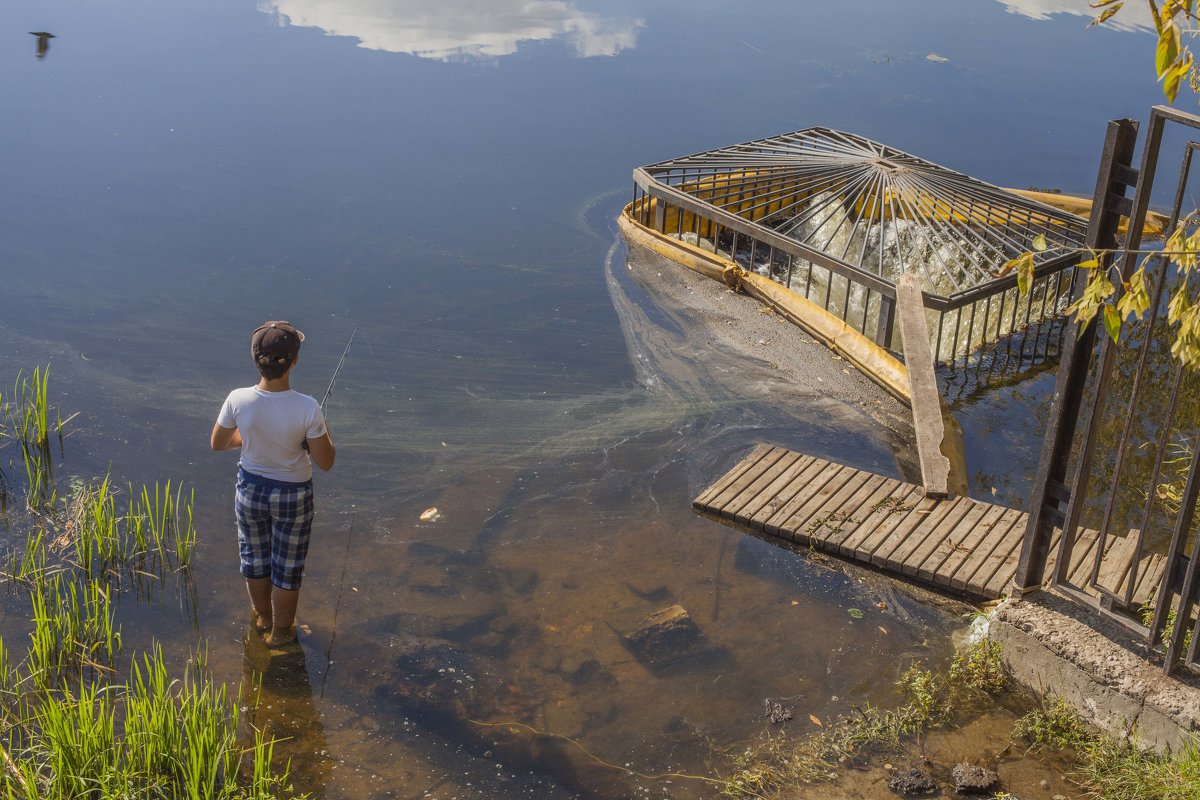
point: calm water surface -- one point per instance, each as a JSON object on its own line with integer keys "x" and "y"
{"x": 443, "y": 177}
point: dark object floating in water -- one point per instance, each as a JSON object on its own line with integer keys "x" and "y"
{"x": 914, "y": 780}
{"x": 971, "y": 779}
{"x": 776, "y": 712}
{"x": 43, "y": 42}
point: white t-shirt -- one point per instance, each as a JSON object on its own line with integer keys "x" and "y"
{"x": 273, "y": 426}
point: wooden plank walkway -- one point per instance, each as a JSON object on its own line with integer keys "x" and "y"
{"x": 955, "y": 543}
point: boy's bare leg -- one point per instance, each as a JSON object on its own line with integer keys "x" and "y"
{"x": 284, "y": 603}
{"x": 259, "y": 590}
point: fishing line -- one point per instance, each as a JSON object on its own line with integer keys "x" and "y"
{"x": 337, "y": 606}
{"x": 350, "y": 530}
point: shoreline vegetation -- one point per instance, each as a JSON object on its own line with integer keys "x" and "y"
{"x": 78, "y": 717}
{"x": 1100, "y": 766}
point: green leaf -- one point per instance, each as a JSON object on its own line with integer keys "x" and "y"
{"x": 1112, "y": 322}
{"x": 1039, "y": 242}
{"x": 856, "y": 613}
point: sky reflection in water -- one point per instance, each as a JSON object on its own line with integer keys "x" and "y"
{"x": 176, "y": 173}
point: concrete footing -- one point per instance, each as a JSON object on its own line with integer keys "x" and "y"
{"x": 1057, "y": 648}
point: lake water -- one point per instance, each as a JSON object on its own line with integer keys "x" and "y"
{"x": 444, "y": 179}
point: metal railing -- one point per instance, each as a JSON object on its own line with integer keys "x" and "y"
{"x": 1122, "y": 447}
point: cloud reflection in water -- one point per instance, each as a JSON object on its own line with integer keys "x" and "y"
{"x": 1132, "y": 16}
{"x": 455, "y": 30}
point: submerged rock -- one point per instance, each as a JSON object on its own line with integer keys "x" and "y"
{"x": 972, "y": 779}
{"x": 914, "y": 780}
{"x": 664, "y": 636}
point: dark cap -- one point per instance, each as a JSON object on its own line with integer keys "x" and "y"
{"x": 278, "y": 341}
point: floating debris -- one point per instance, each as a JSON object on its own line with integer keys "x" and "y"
{"x": 430, "y": 515}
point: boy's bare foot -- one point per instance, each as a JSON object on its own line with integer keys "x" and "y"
{"x": 281, "y": 638}
{"x": 262, "y": 624}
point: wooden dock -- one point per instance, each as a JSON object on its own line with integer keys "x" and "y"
{"x": 957, "y": 543}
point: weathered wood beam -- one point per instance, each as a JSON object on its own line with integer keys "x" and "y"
{"x": 923, "y": 388}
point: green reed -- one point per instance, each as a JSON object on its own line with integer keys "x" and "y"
{"x": 74, "y": 631}
{"x": 78, "y": 718}
{"x": 150, "y": 737}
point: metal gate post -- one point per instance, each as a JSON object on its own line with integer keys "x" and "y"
{"x": 1050, "y": 493}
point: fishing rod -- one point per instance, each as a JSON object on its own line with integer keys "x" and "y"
{"x": 338, "y": 369}
{"x": 333, "y": 380}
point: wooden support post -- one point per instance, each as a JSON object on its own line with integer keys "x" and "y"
{"x": 923, "y": 388}
{"x": 887, "y": 318}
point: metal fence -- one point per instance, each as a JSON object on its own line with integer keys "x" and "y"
{"x": 1122, "y": 448}
{"x": 831, "y": 216}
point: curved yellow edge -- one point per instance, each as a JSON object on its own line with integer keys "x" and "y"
{"x": 872, "y": 360}
{"x": 1154, "y": 227}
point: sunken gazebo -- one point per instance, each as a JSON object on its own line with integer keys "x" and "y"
{"x": 836, "y": 219}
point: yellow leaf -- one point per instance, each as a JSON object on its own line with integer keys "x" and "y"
{"x": 1107, "y": 14}
{"x": 815, "y": 720}
{"x": 1168, "y": 48}
{"x": 883, "y": 630}
{"x": 1039, "y": 242}
{"x": 1091, "y": 263}
{"x": 1112, "y": 322}
{"x": 1025, "y": 272}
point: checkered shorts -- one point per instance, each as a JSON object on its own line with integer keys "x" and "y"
{"x": 274, "y": 520}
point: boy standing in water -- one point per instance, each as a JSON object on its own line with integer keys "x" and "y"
{"x": 274, "y": 426}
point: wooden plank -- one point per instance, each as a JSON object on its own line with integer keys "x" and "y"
{"x": 785, "y": 472}
{"x": 928, "y": 566}
{"x": 826, "y": 519}
{"x": 936, "y": 535}
{"x": 906, "y": 540}
{"x": 1002, "y": 561}
{"x": 777, "y": 524}
{"x": 892, "y": 532}
{"x": 994, "y": 585}
{"x": 796, "y": 485}
{"x": 899, "y": 502}
{"x": 1118, "y": 563}
{"x": 749, "y": 495}
{"x": 729, "y": 477}
{"x": 923, "y": 389}
{"x": 1011, "y": 524}
{"x": 1150, "y": 574}
{"x": 874, "y": 490}
{"x": 802, "y": 512}
{"x": 930, "y": 534}
{"x": 731, "y": 492}
{"x": 963, "y": 542}
{"x": 1083, "y": 552}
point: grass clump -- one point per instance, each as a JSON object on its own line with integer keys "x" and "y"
{"x": 1106, "y": 768}
{"x": 1055, "y": 725}
{"x": 1115, "y": 770}
{"x": 932, "y": 700}
{"x": 77, "y": 718}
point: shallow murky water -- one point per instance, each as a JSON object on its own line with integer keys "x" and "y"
{"x": 445, "y": 181}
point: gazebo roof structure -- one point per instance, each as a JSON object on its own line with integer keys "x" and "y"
{"x": 872, "y": 208}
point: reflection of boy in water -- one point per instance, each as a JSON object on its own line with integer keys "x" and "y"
{"x": 274, "y": 426}
{"x": 282, "y": 709}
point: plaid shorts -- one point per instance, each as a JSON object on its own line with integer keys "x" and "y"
{"x": 274, "y": 520}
